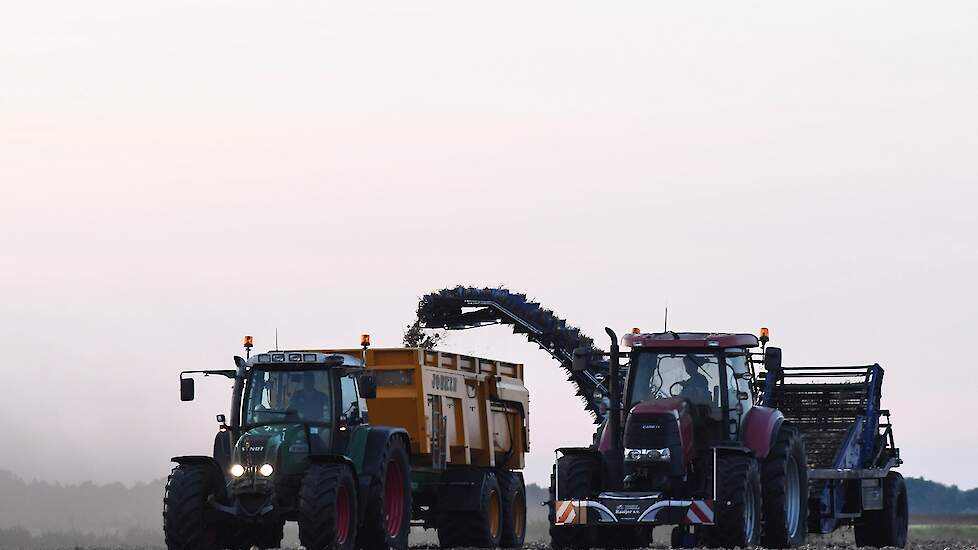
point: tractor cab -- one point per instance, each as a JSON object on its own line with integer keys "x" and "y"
{"x": 684, "y": 393}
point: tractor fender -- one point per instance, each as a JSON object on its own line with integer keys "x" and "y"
{"x": 217, "y": 474}
{"x": 761, "y": 429}
{"x": 333, "y": 459}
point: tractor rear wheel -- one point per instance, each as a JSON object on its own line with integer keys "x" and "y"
{"x": 886, "y": 527}
{"x": 784, "y": 482}
{"x": 738, "y": 504}
{"x": 481, "y": 528}
{"x": 387, "y": 517}
{"x": 512, "y": 490}
{"x": 328, "y": 508}
{"x": 576, "y": 476}
{"x": 186, "y": 522}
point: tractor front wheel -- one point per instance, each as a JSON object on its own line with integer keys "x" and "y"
{"x": 575, "y": 476}
{"x": 738, "y": 504}
{"x": 187, "y": 525}
{"x": 328, "y": 508}
{"x": 784, "y": 482}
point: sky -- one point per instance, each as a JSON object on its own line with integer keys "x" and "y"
{"x": 175, "y": 175}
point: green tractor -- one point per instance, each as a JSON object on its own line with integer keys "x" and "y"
{"x": 298, "y": 447}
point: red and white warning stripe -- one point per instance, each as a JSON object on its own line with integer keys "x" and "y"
{"x": 700, "y": 512}
{"x": 566, "y": 512}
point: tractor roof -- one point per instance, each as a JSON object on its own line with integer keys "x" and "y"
{"x": 304, "y": 359}
{"x": 689, "y": 340}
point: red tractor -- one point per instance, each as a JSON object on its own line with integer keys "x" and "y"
{"x": 695, "y": 451}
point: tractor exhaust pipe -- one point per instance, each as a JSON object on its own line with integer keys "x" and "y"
{"x": 614, "y": 391}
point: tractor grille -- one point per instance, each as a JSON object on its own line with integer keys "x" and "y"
{"x": 823, "y": 403}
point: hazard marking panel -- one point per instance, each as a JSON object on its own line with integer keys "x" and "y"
{"x": 700, "y": 512}
{"x": 569, "y": 512}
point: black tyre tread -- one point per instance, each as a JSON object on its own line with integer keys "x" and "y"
{"x": 773, "y": 482}
{"x": 881, "y": 528}
{"x": 373, "y": 531}
{"x": 511, "y": 488}
{"x": 184, "y": 502}
{"x": 470, "y": 529}
{"x": 580, "y": 476}
{"x": 735, "y": 470}
{"x": 317, "y": 505}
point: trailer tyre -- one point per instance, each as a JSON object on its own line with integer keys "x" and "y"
{"x": 328, "y": 508}
{"x": 886, "y": 527}
{"x": 784, "y": 483}
{"x": 186, "y": 525}
{"x": 512, "y": 490}
{"x": 738, "y": 505}
{"x": 579, "y": 477}
{"x": 387, "y": 514}
{"x": 481, "y": 528}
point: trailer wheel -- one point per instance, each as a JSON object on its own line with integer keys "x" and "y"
{"x": 481, "y": 528}
{"x": 186, "y": 525}
{"x": 512, "y": 490}
{"x": 579, "y": 477}
{"x": 387, "y": 517}
{"x": 738, "y": 504}
{"x": 784, "y": 482}
{"x": 886, "y": 527}
{"x": 328, "y": 508}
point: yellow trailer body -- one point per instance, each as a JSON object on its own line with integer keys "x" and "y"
{"x": 458, "y": 410}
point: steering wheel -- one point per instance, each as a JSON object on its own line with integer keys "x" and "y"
{"x": 672, "y": 388}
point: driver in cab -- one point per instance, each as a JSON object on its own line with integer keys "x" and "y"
{"x": 696, "y": 387}
{"x": 309, "y": 402}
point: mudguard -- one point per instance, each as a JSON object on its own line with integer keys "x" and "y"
{"x": 761, "y": 429}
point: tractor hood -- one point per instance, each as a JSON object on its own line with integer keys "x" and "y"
{"x": 672, "y": 405}
{"x": 284, "y": 446}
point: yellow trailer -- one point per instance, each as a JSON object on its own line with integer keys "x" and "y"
{"x": 468, "y": 423}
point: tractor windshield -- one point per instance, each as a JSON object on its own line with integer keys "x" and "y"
{"x": 658, "y": 375}
{"x": 283, "y": 395}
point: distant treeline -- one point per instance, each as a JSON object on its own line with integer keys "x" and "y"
{"x": 39, "y": 514}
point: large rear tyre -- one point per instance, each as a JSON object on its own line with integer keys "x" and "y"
{"x": 481, "y": 528}
{"x": 387, "y": 514}
{"x": 576, "y": 476}
{"x": 784, "y": 485}
{"x": 886, "y": 527}
{"x": 512, "y": 491}
{"x": 738, "y": 505}
{"x": 187, "y": 524}
{"x": 328, "y": 508}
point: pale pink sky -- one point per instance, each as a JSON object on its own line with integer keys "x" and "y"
{"x": 177, "y": 174}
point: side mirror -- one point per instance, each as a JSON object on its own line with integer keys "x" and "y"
{"x": 368, "y": 386}
{"x": 186, "y": 389}
{"x": 579, "y": 359}
{"x": 772, "y": 360}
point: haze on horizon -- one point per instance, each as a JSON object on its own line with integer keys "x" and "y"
{"x": 175, "y": 175}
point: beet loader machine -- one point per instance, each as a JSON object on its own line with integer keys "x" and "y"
{"x": 442, "y": 448}
{"x": 694, "y": 434}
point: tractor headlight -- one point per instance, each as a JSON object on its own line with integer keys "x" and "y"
{"x": 237, "y": 470}
{"x": 266, "y": 470}
{"x": 652, "y": 455}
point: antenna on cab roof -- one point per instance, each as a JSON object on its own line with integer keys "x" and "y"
{"x": 665, "y": 323}
{"x": 276, "y": 338}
